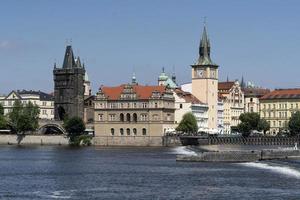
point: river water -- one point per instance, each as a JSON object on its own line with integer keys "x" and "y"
{"x": 48, "y": 172}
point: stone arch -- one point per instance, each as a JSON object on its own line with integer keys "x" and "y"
{"x": 52, "y": 129}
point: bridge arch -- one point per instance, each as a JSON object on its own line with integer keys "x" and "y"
{"x": 52, "y": 129}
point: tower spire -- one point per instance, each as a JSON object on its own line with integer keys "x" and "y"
{"x": 204, "y": 48}
{"x": 69, "y": 61}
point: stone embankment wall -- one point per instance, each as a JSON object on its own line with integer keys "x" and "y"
{"x": 33, "y": 140}
{"x": 136, "y": 141}
{"x": 240, "y": 156}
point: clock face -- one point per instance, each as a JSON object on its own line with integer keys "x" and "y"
{"x": 200, "y": 73}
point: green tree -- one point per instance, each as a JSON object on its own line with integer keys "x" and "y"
{"x": 263, "y": 125}
{"x": 294, "y": 124}
{"x": 75, "y": 128}
{"x": 188, "y": 124}
{"x": 1, "y": 110}
{"x": 251, "y": 122}
{"x": 24, "y": 118}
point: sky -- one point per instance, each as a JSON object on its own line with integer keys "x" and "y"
{"x": 258, "y": 39}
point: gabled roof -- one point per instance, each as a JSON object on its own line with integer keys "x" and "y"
{"x": 225, "y": 85}
{"x": 42, "y": 95}
{"x": 142, "y": 92}
{"x": 283, "y": 94}
{"x": 188, "y": 97}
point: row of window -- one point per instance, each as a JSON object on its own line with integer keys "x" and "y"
{"x": 131, "y": 105}
{"x": 280, "y": 106}
{"x": 133, "y": 118}
{"x": 280, "y": 123}
{"x": 11, "y": 103}
{"x": 128, "y": 131}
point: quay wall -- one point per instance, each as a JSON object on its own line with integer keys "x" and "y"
{"x": 136, "y": 141}
{"x": 33, "y": 140}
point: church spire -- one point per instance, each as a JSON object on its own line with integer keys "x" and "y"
{"x": 204, "y": 49}
{"x": 69, "y": 61}
{"x": 243, "y": 85}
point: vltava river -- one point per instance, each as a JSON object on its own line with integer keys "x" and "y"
{"x": 47, "y": 172}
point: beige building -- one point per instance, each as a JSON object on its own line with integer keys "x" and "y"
{"x": 185, "y": 102}
{"x": 205, "y": 81}
{"x": 277, "y": 108}
{"x": 43, "y": 100}
{"x": 133, "y": 114}
{"x": 233, "y": 99}
{"x": 252, "y": 96}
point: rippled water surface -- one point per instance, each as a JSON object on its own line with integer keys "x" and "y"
{"x": 138, "y": 173}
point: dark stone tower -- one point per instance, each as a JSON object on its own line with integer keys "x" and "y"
{"x": 69, "y": 87}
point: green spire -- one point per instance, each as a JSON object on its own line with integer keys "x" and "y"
{"x": 204, "y": 49}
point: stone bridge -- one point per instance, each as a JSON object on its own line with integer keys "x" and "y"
{"x": 51, "y": 127}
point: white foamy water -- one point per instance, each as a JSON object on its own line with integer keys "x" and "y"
{"x": 277, "y": 169}
{"x": 184, "y": 151}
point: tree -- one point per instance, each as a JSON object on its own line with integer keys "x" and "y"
{"x": 1, "y": 110}
{"x": 251, "y": 122}
{"x": 294, "y": 124}
{"x": 188, "y": 124}
{"x": 3, "y": 121}
{"x": 263, "y": 125}
{"x": 75, "y": 128}
{"x": 24, "y": 118}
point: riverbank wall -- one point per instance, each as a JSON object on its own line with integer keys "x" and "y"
{"x": 136, "y": 141}
{"x": 240, "y": 156}
{"x": 33, "y": 140}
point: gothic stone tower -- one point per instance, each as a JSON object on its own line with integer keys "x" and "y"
{"x": 205, "y": 80}
{"x": 69, "y": 87}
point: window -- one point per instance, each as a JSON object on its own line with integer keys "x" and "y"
{"x": 128, "y": 131}
{"x": 44, "y": 103}
{"x": 134, "y": 117}
{"x": 112, "y": 117}
{"x": 128, "y": 117}
{"x": 134, "y": 131}
{"x": 279, "y": 123}
{"x": 155, "y": 117}
{"x": 144, "y": 131}
{"x": 44, "y": 112}
{"x": 251, "y": 99}
{"x": 168, "y": 117}
{"x": 155, "y": 105}
{"x": 112, "y": 131}
{"x": 100, "y": 117}
{"x": 180, "y": 105}
{"x": 121, "y": 131}
{"x": 143, "y": 117}
{"x": 292, "y": 106}
{"x": 122, "y": 117}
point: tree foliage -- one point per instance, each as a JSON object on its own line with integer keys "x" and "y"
{"x": 188, "y": 124}
{"x": 1, "y": 110}
{"x": 75, "y": 128}
{"x": 294, "y": 124}
{"x": 251, "y": 122}
{"x": 3, "y": 121}
{"x": 24, "y": 118}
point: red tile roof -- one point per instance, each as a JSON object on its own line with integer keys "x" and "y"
{"x": 283, "y": 94}
{"x": 188, "y": 97}
{"x": 257, "y": 92}
{"x": 225, "y": 85}
{"x": 143, "y": 92}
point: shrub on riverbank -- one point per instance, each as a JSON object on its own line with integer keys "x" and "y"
{"x": 75, "y": 128}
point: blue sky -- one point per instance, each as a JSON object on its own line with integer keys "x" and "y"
{"x": 259, "y": 39}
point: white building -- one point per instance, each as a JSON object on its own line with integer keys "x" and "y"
{"x": 186, "y": 102}
{"x": 221, "y": 115}
{"x": 43, "y": 100}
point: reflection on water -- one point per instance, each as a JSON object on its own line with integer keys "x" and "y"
{"x": 138, "y": 173}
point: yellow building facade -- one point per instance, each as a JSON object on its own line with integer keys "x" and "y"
{"x": 277, "y": 108}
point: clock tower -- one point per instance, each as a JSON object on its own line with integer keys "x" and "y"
{"x": 205, "y": 80}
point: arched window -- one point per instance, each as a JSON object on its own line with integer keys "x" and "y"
{"x": 128, "y": 117}
{"x": 122, "y": 117}
{"x": 134, "y": 117}
{"x": 134, "y": 131}
{"x": 144, "y": 131}
{"x": 128, "y": 131}
{"x": 121, "y": 131}
{"x": 112, "y": 131}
